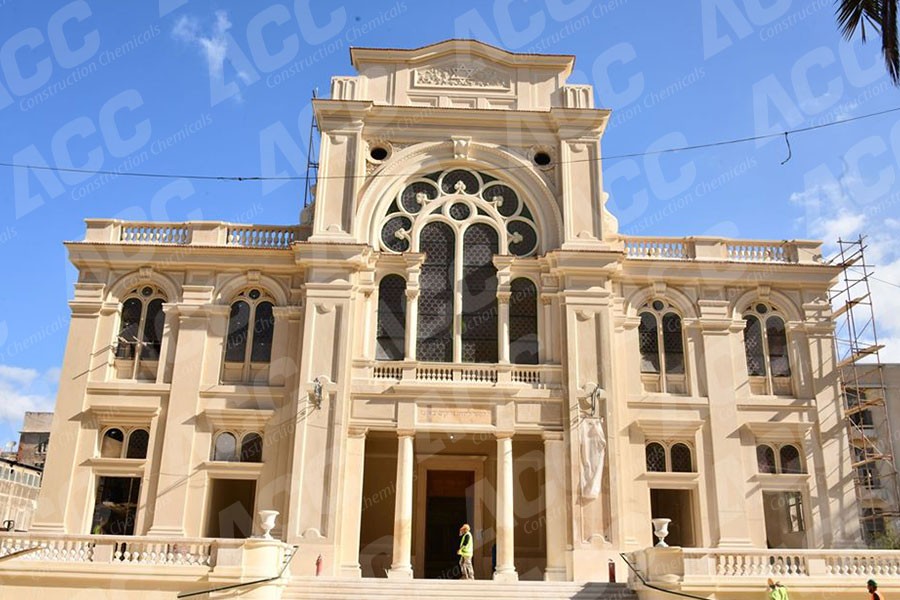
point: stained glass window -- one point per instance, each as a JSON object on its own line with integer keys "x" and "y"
{"x": 390, "y": 337}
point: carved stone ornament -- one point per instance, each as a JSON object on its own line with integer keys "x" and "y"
{"x": 461, "y": 147}
{"x": 462, "y": 74}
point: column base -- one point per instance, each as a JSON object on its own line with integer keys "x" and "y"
{"x": 555, "y": 574}
{"x": 508, "y": 576}
{"x": 400, "y": 572}
{"x": 351, "y": 571}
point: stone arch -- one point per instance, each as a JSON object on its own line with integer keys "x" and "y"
{"x": 127, "y": 282}
{"x": 377, "y": 194}
{"x": 780, "y": 300}
{"x": 685, "y": 306}
{"x": 231, "y": 288}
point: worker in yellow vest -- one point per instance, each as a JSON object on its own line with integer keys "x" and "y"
{"x": 465, "y": 552}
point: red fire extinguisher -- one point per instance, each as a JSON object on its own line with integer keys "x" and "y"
{"x": 319, "y": 565}
{"x": 612, "y": 571}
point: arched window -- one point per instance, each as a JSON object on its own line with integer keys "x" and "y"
{"x": 436, "y": 298}
{"x": 251, "y": 448}
{"x": 248, "y": 345}
{"x": 479, "y": 294}
{"x": 141, "y": 332}
{"x": 523, "y": 328}
{"x": 660, "y": 329}
{"x": 681, "y": 458}
{"x": 765, "y": 459}
{"x": 390, "y": 339}
{"x": 138, "y": 440}
{"x": 460, "y": 220}
{"x": 225, "y": 448}
{"x": 766, "y": 349}
{"x": 656, "y": 457}
{"x": 790, "y": 459}
{"x": 111, "y": 443}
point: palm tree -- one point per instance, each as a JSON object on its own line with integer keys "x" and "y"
{"x": 879, "y": 15}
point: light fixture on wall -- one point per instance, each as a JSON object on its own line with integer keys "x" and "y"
{"x": 317, "y": 393}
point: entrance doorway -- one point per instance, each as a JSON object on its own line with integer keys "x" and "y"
{"x": 785, "y": 527}
{"x": 230, "y": 508}
{"x": 449, "y": 502}
{"x": 676, "y": 505}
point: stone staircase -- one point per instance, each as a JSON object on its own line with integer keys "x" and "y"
{"x": 302, "y": 588}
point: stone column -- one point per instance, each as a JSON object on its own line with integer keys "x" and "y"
{"x": 506, "y": 523}
{"x": 412, "y": 321}
{"x": 503, "y": 325}
{"x": 352, "y": 501}
{"x": 401, "y": 567}
{"x": 556, "y": 505}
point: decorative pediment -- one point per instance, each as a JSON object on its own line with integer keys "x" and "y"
{"x": 463, "y": 73}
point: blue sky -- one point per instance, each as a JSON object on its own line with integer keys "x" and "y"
{"x": 223, "y": 88}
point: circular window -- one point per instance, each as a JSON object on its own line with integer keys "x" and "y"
{"x": 147, "y": 291}
{"x": 762, "y": 309}
{"x": 459, "y": 211}
{"x": 542, "y": 159}
{"x": 254, "y": 294}
{"x": 378, "y": 153}
{"x": 658, "y": 305}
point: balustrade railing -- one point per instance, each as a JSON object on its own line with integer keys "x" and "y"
{"x": 722, "y": 250}
{"x": 111, "y": 549}
{"x": 704, "y": 563}
{"x": 474, "y": 373}
{"x": 155, "y": 233}
{"x": 262, "y": 236}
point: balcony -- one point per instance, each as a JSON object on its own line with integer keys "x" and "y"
{"x": 723, "y": 250}
{"x": 193, "y": 233}
{"x": 478, "y": 374}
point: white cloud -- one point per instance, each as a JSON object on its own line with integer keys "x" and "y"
{"x": 213, "y": 45}
{"x": 832, "y": 214}
{"x": 25, "y": 390}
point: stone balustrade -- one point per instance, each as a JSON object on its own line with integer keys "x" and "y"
{"x": 703, "y": 566}
{"x": 723, "y": 249}
{"x": 538, "y": 376}
{"x": 132, "y": 550}
{"x": 192, "y": 233}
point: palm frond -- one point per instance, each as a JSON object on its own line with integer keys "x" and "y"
{"x": 889, "y": 44}
{"x": 853, "y": 15}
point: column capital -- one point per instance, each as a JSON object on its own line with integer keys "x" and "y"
{"x": 552, "y": 436}
{"x": 504, "y": 435}
{"x": 412, "y": 293}
{"x": 357, "y": 431}
{"x": 503, "y": 297}
{"x": 404, "y": 433}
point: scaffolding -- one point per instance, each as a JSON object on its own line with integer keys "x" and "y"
{"x": 862, "y": 387}
{"x": 312, "y": 158}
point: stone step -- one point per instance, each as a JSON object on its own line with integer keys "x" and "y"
{"x": 303, "y": 588}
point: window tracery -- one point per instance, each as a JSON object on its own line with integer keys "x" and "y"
{"x": 248, "y": 350}
{"x": 661, "y": 343}
{"x": 142, "y": 321}
{"x": 766, "y": 350}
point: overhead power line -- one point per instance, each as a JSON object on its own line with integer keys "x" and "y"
{"x": 242, "y": 178}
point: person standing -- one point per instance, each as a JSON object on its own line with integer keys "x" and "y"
{"x": 874, "y": 594}
{"x": 465, "y": 552}
{"x": 777, "y": 591}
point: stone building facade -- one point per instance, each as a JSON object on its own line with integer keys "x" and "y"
{"x": 34, "y": 439}
{"x": 456, "y": 332}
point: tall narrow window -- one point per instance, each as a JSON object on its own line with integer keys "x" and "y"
{"x": 435, "y": 335}
{"x": 138, "y": 441}
{"x": 479, "y": 295}
{"x": 523, "y": 340}
{"x": 251, "y": 448}
{"x": 391, "y": 335}
{"x": 140, "y": 333}
{"x": 225, "y": 448}
{"x": 790, "y": 459}
{"x": 766, "y": 349}
{"x": 753, "y": 346}
{"x": 248, "y": 344}
{"x": 661, "y": 343}
{"x": 681, "y": 458}
{"x": 115, "y": 505}
{"x": 765, "y": 459}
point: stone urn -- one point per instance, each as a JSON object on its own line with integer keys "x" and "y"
{"x": 661, "y": 530}
{"x": 267, "y": 522}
